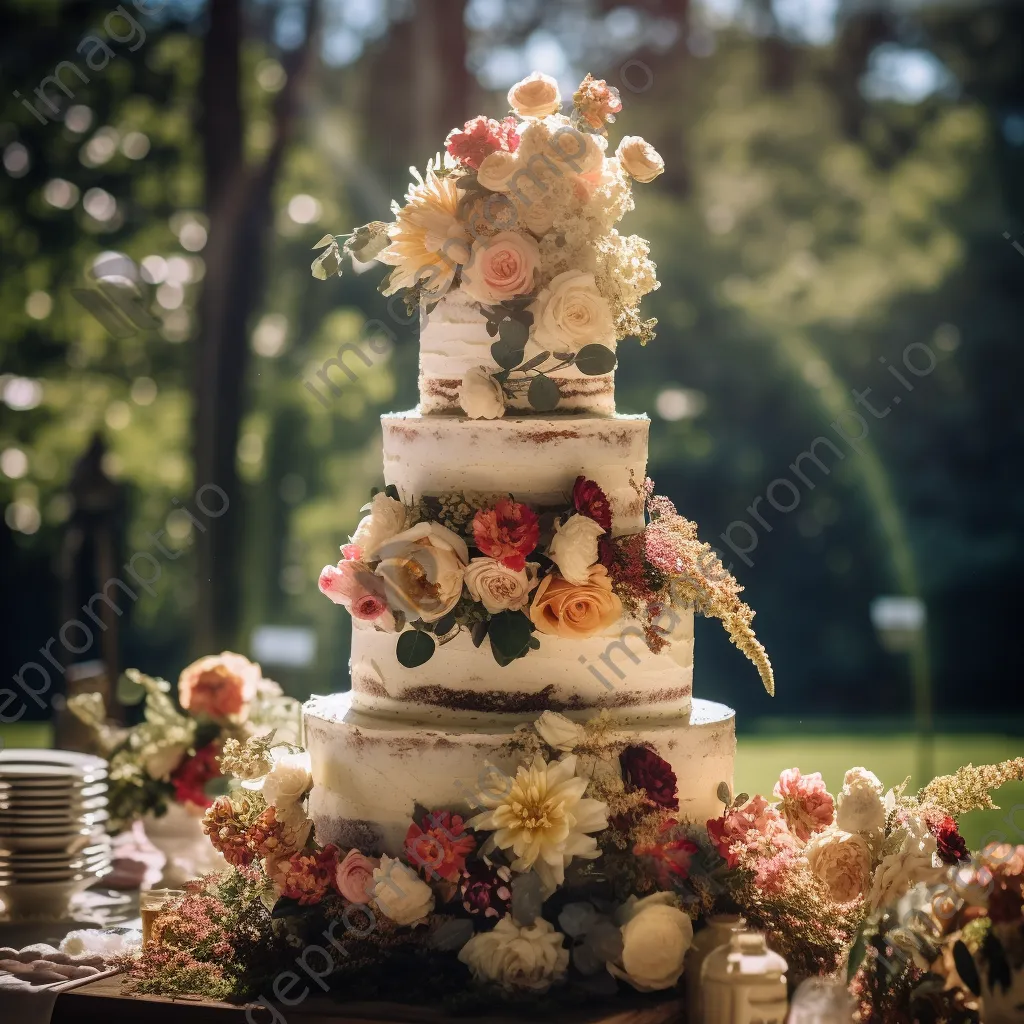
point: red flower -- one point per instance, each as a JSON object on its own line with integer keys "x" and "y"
{"x": 671, "y": 854}
{"x": 507, "y": 532}
{"x": 952, "y": 847}
{"x": 589, "y": 500}
{"x": 440, "y": 847}
{"x": 643, "y": 769}
{"x": 191, "y": 776}
{"x": 486, "y": 890}
{"x": 480, "y": 137}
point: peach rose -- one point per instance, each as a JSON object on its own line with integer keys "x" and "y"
{"x": 842, "y": 860}
{"x": 639, "y": 159}
{"x": 354, "y": 876}
{"x": 501, "y": 267}
{"x": 219, "y": 686}
{"x": 536, "y": 95}
{"x": 575, "y": 611}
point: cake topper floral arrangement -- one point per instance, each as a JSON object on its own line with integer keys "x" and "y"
{"x": 581, "y": 873}
{"x": 519, "y": 216}
{"x": 512, "y": 574}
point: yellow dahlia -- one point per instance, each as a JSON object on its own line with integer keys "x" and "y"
{"x": 543, "y": 817}
{"x": 428, "y": 241}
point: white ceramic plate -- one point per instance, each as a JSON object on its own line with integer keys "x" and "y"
{"x": 45, "y": 899}
{"x": 74, "y": 870}
{"x": 42, "y": 858}
{"x": 32, "y": 815}
{"x": 18, "y": 757}
{"x": 72, "y": 841}
{"x": 37, "y": 826}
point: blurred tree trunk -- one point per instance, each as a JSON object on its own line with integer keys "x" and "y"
{"x": 238, "y": 205}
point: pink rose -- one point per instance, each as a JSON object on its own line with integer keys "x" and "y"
{"x": 501, "y": 267}
{"x": 219, "y": 686}
{"x": 351, "y": 583}
{"x": 744, "y": 830}
{"x": 804, "y": 802}
{"x": 354, "y": 876}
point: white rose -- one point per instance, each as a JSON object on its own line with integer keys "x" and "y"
{"x": 574, "y": 547}
{"x": 423, "y": 569}
{"x": 288, "y": 779}
{"x": 538, "y": 215}
{"x": 400, "y": 893}
{"x": 859, "y": 806}
{"x": 530, "y": 958}
{"x": 386, "y": 519}
{"x": 480, "y": 395}
{"x": 842, "y": 860}
{"x": 558, "y": 731}
{"x": 656, "y": 935}
{"x": 499, "y": 588}
{"x": 900, "y": 871}
{"x": 581, "y": 152}
{"x": 639, "y": 158}
{"x": 164, "y": 760}
{"x": 536, "y": 95}
{"x": 496, "y": 170}
{"x": 571, "y": 313}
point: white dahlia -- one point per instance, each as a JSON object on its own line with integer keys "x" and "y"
{"x": 428, "y": 241}
{"x": 543, "y": 817}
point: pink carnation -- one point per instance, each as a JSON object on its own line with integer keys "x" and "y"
{"x": 745, "y": 829}
{"x": 480, "y": 137}
{"x": 351, "y": 584}
{"x": 804, "y": 802}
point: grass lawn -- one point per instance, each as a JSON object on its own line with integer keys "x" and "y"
{"x": 760, "y": 759}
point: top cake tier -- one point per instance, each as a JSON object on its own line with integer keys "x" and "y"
{"x": 454, "y": 339}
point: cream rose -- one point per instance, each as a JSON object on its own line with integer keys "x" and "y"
{"x": 501, "y": 267}
{"x": 499, "y": 588}
{"x": 859, "y": 806}
{"x": 571, "y": 313}
{"x": 531, "y": 958}
{"x": 574, "y": 547}
{"x": 386, "y": 519}
{"x": 496, "y": 170}
{"x": 423, "y": 569}
{"x": 289, "y": 778}
{"x": 558, "y": 731}
{"x": 639, "y": 159}
{"x": 536, "y": 95}
{"x": 400, "y": 893}
{"x": 656, "y": 935}
{"x": 537, "y": 215}
{"x": 565, "y": 609}
{"x": 480, "y": 395}
{"x": 842, "y": 860}
{"x": 581, "y": 152}
{"x": 900, "y": 871}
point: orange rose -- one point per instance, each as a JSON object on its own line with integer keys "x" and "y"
{"x": 575, "y": 611}
{"x": 219, "y": 686}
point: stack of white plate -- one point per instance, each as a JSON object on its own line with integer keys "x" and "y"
{"x": 53, "y": 840}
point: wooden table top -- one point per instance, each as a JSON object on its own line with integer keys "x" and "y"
{"x": 104, "y": 1002}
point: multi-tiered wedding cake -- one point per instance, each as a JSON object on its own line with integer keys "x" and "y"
{"x": 508, "y": 569}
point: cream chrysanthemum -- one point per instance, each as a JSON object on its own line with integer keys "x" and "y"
{"x": 428, "y": 240}
{"x": 543, "y": 817}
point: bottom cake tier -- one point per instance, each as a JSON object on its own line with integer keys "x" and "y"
{"x": 369, "y": 774}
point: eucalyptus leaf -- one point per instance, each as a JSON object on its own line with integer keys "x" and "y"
{"x": 445, "y": 624}
{"x": 328, "y": 263}
{"x": 392, "y": 492}
{"x": 725, "y": 794}
{"x": 857, "y": 951}
{"x": 523, "y": 316}
{"x": 492, "y": 328}
{"x": 514, "y": 332}
{"x": 537, "y": 360}
{"x": 507, "y": 355}
{"x": 415, "y": 648}
{"x": 510, "y": 634}
{"x": 966, "y": 967}
{"x": 543, "y": 395}
{"x": 565, "y": 357}
{"x": 326, "y": 240}
{"x": 595, "y": 359}
{"x": 479, "y": 632}
{"x": 368, "y": 241}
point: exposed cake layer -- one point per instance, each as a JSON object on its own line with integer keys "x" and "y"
{"x": 534, "y": 458}
{"x": 370, "y": 774}
{"x": 454, "y": 338}
{"x": 462, "y": 684}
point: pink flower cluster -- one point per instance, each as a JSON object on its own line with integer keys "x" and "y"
{"x": 804, "y": 802}
{"x": 749, "y": 831}
{"x": 480, "y": 137}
